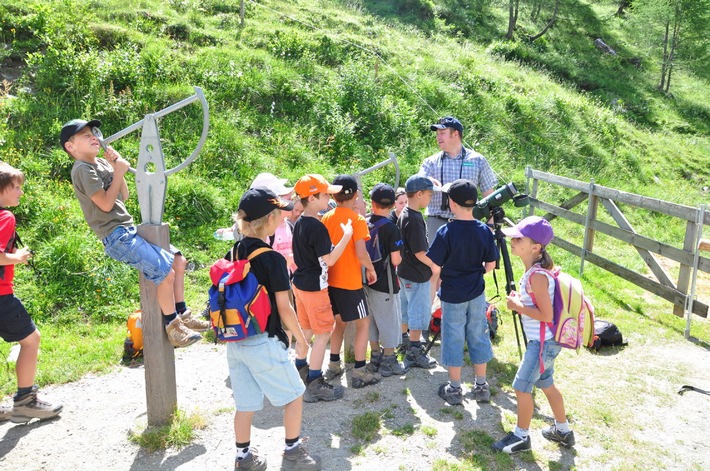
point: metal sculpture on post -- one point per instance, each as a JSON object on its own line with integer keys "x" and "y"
{"x": 151, "y": 186}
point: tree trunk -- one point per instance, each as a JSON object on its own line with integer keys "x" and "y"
{"x": 512, "y": 18}
{"x": 664, "y": 61}
{"x": 548, "y": 25}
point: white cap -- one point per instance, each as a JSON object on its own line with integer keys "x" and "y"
{"x": 269, "y": 180}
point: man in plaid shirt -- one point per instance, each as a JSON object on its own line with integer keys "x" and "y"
{"x": 453, "y": 162}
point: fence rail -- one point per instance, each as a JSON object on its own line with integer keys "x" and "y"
{"x": 681, "y": 292}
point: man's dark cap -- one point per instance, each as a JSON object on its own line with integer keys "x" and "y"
{"x": 348, "y": 182}
{"x": 73, "y": 127}
{"x": 382, "y": 194}
{"x": 448, "y": 122}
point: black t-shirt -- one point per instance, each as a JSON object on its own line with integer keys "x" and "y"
{"x": 310, "y": 242}
{"x": 270, "y": 270}
{"x": 413, "y": 228}
{"x": 391, "y": 241}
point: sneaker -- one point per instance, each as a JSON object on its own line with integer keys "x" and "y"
{"x": 482, "y": 393}
{"x": 179, "y": 335}
{"x": 29, "y": 406}
{"x": 205, "y": 314}
{"x": 5, "y": 412}
{"x": 362, "y": 377}
{"x": 512, "y": 443}
{"x": 320, "y": 390}
{"x": 252, "y": 461}
{"x": 402, "y": 348}
{"x": 298, "y": 458}
{"x": 375, "y": 361}
{"x": 335, "y": 369}
{"x": 391, "y": 366}
{"x": 194, "y": 323}
{"x": 565, "y": 439}
{"x": 453, "y": 396}
{"x": 303, "y": 373}
{"x": 417, "y": 358}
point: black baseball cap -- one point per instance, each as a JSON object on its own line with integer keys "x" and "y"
{"x": 348, "y": 182}
{"x": 73, "y": 127}
{"x": 448, "y": 122}
{"x": 463, "y": 192}
{"x": 258, "y": 202}
{"x": 382, "y": 194}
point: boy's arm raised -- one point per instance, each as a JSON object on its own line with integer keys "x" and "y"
{"x": 105, "y": 199}
{"x": 333, "y": 256}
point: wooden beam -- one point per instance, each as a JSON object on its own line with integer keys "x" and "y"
{"x": 158, "y": 354}
{"x": 647, "y": 256}
{"x": 652, "y": 204}
{"x": 704, "y": 245}
{"x": 667, "y": 293}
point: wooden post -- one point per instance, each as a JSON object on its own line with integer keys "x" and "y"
{"x": 241, "y": 13}
{"x": 592, "y": 207}
{"x": 158, "y": 354}
{"x": 691, "y": 234}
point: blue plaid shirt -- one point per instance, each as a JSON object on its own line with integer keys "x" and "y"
{"x": 446, "y": 169}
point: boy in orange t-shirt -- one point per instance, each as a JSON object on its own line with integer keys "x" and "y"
{"x": 345, "y": 283}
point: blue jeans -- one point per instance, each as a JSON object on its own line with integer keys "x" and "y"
{"x": 465, "y": 323}
{"x": 528, "y": 374}
{"x": 415, "y": 302}
{"x": 261, "y": 366}
{"x": 125, "y": 245}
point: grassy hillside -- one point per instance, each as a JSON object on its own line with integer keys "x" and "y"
{"x": 318, "y": 86}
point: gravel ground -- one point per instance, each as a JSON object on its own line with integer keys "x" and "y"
{"x": 99, "y": 412}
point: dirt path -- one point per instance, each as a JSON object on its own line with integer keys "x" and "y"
{"x": 99, "y": 412}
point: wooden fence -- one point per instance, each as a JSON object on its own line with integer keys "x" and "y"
{"x": 682, "y": 292}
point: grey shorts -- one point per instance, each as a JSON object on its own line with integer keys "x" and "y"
{"x": 385, "y": 318}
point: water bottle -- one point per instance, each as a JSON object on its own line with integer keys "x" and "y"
{"x": 224, "y": 235}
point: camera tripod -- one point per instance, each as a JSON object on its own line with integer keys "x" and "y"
{"x": 498, "y": 216}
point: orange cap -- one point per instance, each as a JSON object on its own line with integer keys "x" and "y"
{"x": 312, "y": 184}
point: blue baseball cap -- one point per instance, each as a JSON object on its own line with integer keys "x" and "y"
{"x": 448, "y": 122}
{"x": 420, "y": 183}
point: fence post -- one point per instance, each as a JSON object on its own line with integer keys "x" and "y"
{"x": 158, "y": 354}
{"x": 592, "y": 206}
{"x": 690, "y": 298}
{"x": 530, "y": 210}
{"x": 241, "y": 13}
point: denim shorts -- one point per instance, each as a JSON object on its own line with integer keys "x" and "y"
{"x": 386, "y": 320}
{"x": 126, "y": 246}
{"x": 465, "y": 323}
{"x": 261, "y": 366}
{"x": 529, "y": 370}
{"x": 15, "y": 323}
{"x": 415, "y": 301}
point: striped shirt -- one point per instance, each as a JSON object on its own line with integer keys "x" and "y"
{"x": 467, "y": 164}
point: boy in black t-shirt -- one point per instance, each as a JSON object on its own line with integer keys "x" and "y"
{"x": 313, "y": 253}
{"x": 383, "y": 295}
{"x": 260, "y": 365}
{"x": 416, "y": 269}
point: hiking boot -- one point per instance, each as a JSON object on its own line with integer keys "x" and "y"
{"x": 481, "y": 393}
{"x": 361, "y": 377}
{"x": 298, "y": 458}
{"x": 205, "y": 314}
{"x": 402, "y": 348}
{"x": 179, "y": 335}
{"x": 5, "y": 412}
{"x": 303, "y": 373}
{"x": 391, "y": 366}
{"x": 565, "y": 439}
{"x": 194, "y": 323}
{"x": 512, "y": 443}
{"x": 417, "y": 358}
{"x": 453, "y": 396}
{"x": 252, "y": 461}
{"x": 335, "y": 369}
{"x": 320, "y": 390}
{"x": 29, "y": 406}
{"x": 375, "y": 361}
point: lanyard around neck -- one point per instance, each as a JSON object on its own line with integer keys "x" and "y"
{"x": 441, "y": 167}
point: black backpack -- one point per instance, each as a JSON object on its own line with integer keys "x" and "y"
{"x": 606, "y": 334}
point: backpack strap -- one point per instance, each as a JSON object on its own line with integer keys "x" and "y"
{"x": 528, "y": 288}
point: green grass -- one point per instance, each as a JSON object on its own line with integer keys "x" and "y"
{"x": 178, "y": 434}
